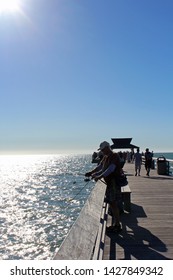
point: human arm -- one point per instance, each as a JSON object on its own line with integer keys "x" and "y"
{"x": 95, "y": 170}
{"x": 98, "y": 175}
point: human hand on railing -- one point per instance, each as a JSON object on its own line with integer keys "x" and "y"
{"x": 95, "y": 177}
{"x": 88, "y": 174}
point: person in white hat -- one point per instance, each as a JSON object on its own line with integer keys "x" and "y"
{"x": 108, "y": 169}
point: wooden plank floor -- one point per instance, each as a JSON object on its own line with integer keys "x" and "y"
{"x": 148, "y": 230}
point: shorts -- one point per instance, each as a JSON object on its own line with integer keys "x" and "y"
{"x": 138, "y": 165}
{"x": 148, "y": 163}
{"x": 113, "y": 192}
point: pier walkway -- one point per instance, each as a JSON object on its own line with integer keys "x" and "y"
{"x": 148, "y": 230}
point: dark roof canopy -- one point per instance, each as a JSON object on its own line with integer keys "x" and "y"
{"x": 122, "y": 143}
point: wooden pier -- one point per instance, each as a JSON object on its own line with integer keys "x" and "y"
{"x": 147, "y": 231}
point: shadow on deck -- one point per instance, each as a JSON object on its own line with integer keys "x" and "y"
{"x": 135, "y": 241}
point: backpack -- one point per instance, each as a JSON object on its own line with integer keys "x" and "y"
{"x": 121, "y": 180}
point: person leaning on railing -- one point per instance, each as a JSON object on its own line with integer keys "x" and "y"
{"x": 109, "y": 169}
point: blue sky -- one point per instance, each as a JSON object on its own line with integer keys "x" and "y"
{"x": 76, "y": 72}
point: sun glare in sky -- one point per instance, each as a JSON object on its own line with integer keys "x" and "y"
{"x": 9, "y": 5}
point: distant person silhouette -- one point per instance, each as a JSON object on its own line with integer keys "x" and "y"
{"x": 138, "y": 162}
{"x": 148, "y": 161}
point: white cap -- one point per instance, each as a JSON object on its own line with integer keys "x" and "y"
{"x": 103, "y": 145}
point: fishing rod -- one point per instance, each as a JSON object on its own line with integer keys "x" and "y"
{"x": 81, "y": 174}
{"x": 87, "y": 180}
{"x": 76, "y": 173}
{"x": 73, "y": 198}
{"x": 102, "y": 181}
{"x": 79, "y": 191}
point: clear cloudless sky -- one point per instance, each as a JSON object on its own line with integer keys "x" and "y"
{"x": 76, "y": 72}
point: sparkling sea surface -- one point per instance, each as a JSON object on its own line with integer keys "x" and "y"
{"x": 40, "y": 199}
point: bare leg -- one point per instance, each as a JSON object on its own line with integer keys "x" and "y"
{"x": 115, "y": 212}
{"x": 139, "y": 171}
{"x": 136, "y": 170}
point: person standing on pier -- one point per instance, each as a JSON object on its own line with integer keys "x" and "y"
{"x": 109, "y": 169}
{"x": 148, "y": 161}
{"x": 138, "y": 162}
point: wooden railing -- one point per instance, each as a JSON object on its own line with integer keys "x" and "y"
{"x": 169, "y": 163}
{"x": 84, "y": 240}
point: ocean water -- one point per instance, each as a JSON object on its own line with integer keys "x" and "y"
{"x": 40, "y": 198}
{"x": 166, "y": 155}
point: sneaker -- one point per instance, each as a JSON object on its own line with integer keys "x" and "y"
{"x": 110, "y": 228}
{"x": 116, "y": 228}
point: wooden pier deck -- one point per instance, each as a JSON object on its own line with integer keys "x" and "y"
{"x": 148, "y": 230}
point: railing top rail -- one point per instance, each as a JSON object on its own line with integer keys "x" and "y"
{"x": 171, "y": 160}
{"x": 80, "y": 241}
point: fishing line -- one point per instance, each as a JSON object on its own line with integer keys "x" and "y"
{"x": 87, "y": 180}
{"x": 73, "y": 198}
{"x": 81, "y": 174}
{"x": 75, "y": 174}
{"x": 79, "y": 191}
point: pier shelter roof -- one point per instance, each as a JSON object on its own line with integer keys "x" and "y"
{"x": 122, "y": 143}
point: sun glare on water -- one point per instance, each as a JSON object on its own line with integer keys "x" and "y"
{"x": 9, "y": 6}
